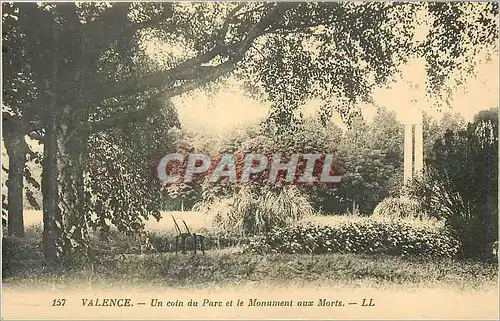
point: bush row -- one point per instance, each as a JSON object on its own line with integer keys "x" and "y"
{"x": 369, "y": 237}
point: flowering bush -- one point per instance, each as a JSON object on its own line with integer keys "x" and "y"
{"x": 368, "y": 236}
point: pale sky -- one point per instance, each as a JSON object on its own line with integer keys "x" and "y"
{"x": 224, "y": 110}
{"x": 230, "y": 108}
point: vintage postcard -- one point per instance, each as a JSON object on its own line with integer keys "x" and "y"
{"x": 250, "y": 160}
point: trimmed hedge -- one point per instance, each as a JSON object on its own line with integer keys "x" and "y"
{"x": 368, "y": 237}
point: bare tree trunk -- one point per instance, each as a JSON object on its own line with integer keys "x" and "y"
{"x": 53, "y": 224}
{"x": 17, "y": 149}
{"x": 72, "y": 149}
{"x": 52, "y": 218}
{"x": 64, "y": 213}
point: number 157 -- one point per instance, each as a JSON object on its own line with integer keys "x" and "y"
{"x": 58, "y": 302}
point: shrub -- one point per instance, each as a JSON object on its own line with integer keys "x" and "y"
{"x": 460, "y": 183}
{"x": 254, "y": 210}
{"x": 336, "y": 220}
{"x": 368, "y": 236}
{"x": 398, "y": 208}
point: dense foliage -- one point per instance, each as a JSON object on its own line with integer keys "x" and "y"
{"x": 255, "y": 210}
{"x": 461, "y": 184}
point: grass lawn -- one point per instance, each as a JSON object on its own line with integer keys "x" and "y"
{"x": 402, "y": 287}
{"x": 231, "y": 267}
{"x": 198, "y": 221}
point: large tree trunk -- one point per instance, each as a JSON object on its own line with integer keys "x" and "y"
{"x": 72, "y": 149}
{"x": 17, "y": 149}
{"x": 65, "y": 214}
{"x": 52, "y": 218}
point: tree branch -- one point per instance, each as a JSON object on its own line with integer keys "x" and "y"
{"x": 155, "y": 105}
{"x": 211, "y": 74}
{"x": 181, "y": 71}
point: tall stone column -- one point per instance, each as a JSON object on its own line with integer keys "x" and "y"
{"x": 408, "y": 153}
{"x": 419, "y": 149}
